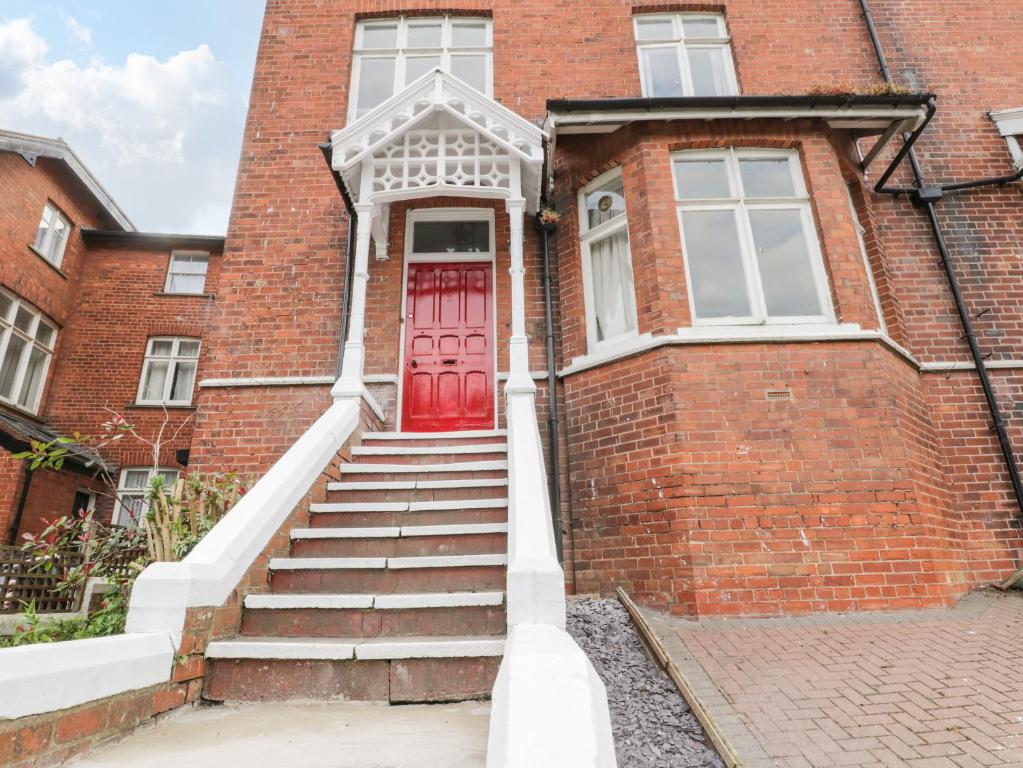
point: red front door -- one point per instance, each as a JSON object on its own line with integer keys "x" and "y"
{"x": 448, "y": 381}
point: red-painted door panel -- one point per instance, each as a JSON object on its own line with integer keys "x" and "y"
{"x": 448, "y": 381}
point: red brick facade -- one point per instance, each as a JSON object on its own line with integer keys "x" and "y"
{"x": 877, "y": 484}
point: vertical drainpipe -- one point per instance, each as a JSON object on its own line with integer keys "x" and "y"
{"x": 554, "y": 476}
{"x": 998, "y": 419}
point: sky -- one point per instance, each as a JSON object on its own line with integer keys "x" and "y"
{"x": 151, "y": 95}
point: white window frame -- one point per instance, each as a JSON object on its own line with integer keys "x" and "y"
{"x": 171, "y": 273}
{"x": 175, "y": 358}
{"x": 861, "y": 231}
{"x": 46, "y": 247}
{"x": 8, "y": 330}
{"x": 1010, "y": 126}
{"x": 682, "y": 44}
{"x": 586, "y": 237}
{"x": 740, "y": 206}
{"x": 120, "y": 516}
{"x": 402, "y": 51}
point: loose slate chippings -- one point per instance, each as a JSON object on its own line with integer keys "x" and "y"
{"x": 653, "y": 726}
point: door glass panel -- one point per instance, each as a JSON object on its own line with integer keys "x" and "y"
{"x": 451, "y": 237}
{"x": 376, "y": 82}
{"x": 789, "y": 286}
{"x": 663, "y": 77}
{"x": 766, "y": 178}
{"x": 715, "y": 264}
{"x": 707, "y": 66}
{"x": 702, "y": 179}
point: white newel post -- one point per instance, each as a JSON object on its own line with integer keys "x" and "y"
{"x": 519, "y": 380}
{"x": 350, "y": 382}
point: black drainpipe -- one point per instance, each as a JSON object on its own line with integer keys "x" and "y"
{"x": 353, "y": 220}
{"x": 552, "y": 385}
{"x": 12, "y": 532}
{"x": 927, "y": 196}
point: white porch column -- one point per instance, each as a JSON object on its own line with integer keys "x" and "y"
{"x": 353, "y": 361}
{"x": 519, "y": 379}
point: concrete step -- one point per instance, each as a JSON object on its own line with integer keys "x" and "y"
{"x": 368, "y": 616}
{"x": 423, "y": 439}
{"x": 403, "y": 513}
{"x": 406, "y": 541}
{"x": 390, "y": 472}
{"x": 411, "y": 489}
{"x": 399, "y": 670}
{"x": 420, "y": 455}
{"x": 456, "y": 573}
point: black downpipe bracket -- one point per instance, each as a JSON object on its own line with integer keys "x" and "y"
{"x": 927, "y": 196}
{"x": 554, "y": 476}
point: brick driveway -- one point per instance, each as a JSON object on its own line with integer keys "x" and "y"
{"x": 929, "y": 689}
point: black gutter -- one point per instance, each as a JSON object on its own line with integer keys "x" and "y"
{"x": 554, "y": 476}
{"x": 346, "y": 297}
{"x": 99, "y": 237}
{"x": 927, "y": 197}
{"x": 736, "y": 102}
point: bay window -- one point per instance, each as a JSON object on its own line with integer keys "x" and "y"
{"x": 748, "y": 238}
{"x": 607, "y": 263}
{"x": 26, "y": 347}
{"x": 391, "y": 53}
{"x": 684, "y": 54}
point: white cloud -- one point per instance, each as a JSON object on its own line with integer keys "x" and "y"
{"x": 156, "y": 133}
{"x": 78, "y": 31}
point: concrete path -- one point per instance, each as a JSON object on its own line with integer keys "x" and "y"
{"x": 926, "y": 689}
{"x": 313, "y": 735}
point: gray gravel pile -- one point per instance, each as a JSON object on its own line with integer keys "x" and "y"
{"x": 653, "y": 726}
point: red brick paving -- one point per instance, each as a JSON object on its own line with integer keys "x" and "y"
{"x": 929, "y": 689}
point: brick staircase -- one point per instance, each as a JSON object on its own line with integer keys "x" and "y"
{"x": 395, "y": 591}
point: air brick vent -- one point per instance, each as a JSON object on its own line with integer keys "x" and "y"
{"x": 778, "y": 394}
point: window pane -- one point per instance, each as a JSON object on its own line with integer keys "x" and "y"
{"x": 702, "y": 179}
{"x": 451, "y": 237}
{"x": 170, "y": 476}
{"x": 471, "y": 69}
{"x": 186, "y": 284}
{"x": 715, "y": 264}
{"x": 45, "y": 334}
{"x": 5, "y": 306}
{"x": 662, "y": 73}
{"x": 33, "y": 381}
{"x": 161, "y": 347}
{"x": 44, "y": 228}
{"x": 189, "y": 265}
{"x": 425, "y": 35}
{"x": 133, "y": 510}
{"x": 9, "y": 366}
{"x": 188, "y": 348}
{"x": 708, "y": 70}
{"x": 417, "y": 66}
{"x": 23, "y": 320}
{"x": 766, "y": 178}
{"x": 60, "y": 229}
{"x": 135, "y": 478}
{"x": 469, "y": 34}
{"x": 789, "y": 285}
{"x": 376, "y": 82}
{"x": 705, "y": 26}
{"x": 605, "y": 203}
{"x": 614, "y": 307}
{"x": 380, "y": 36}
{"x": 655, "y": 29}
{"x": 181, "y": 389}
{"x": 156, "y": 380}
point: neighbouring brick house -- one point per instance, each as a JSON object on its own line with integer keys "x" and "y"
{"x": 766, "y": 403}
{"x": 87, "y": 306}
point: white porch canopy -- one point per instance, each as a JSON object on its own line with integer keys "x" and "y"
{"x": 438, "y": 137}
